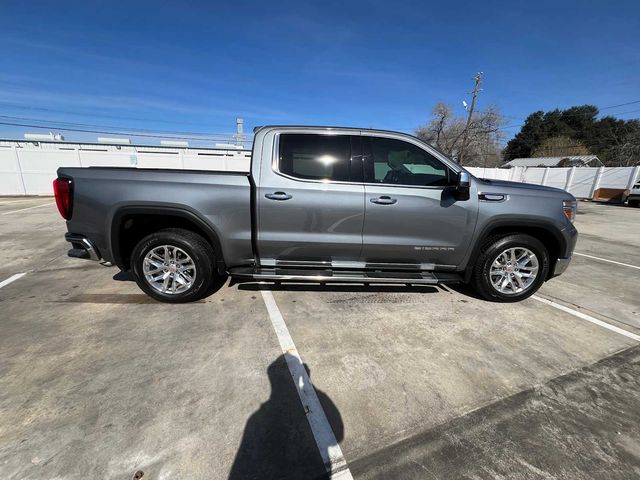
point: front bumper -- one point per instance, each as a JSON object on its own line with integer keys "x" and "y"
{"x": 570, "y": 235}
{"x": 82, "y": 247}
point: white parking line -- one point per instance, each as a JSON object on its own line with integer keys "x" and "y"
{"x": 605, "y": 260}
{"x": 28, "y": 208}
{"x": 588, "y": 318}
{"x": 17, "y": 201}
{"x": 334, "y": 461}
{"x": 12, "y": 279}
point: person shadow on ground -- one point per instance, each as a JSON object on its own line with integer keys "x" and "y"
{"x": 277, "y": 441}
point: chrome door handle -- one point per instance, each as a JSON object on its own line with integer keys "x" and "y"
{"x": 278, "y": 196}
{"x": 384, "y": 200}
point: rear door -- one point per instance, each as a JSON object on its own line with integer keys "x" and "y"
{"x": 411, "y": 216}
{"x": 311, "y": 200}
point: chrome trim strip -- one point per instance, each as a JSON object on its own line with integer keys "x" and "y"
{"x": 88, "y": 246}
{"x": 333, "y": 278}
{"x": 355, "y": 265}
{"x": 302, "y": 263}
{"x": 85, "y": 243}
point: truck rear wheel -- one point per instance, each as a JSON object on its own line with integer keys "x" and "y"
{"x": 173, "y": 266}
{"x": 510, "y": 268}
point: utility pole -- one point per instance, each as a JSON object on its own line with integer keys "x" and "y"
{"x": 476, "y": 90}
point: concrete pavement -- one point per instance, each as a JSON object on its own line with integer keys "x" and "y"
{"x": 99, "y": 381}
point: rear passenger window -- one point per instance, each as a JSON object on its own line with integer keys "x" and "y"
{"x": 401, "y": 163}
{"x": 315, "y": 157}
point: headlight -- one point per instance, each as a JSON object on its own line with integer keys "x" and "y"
{"x": 569, "y": 207}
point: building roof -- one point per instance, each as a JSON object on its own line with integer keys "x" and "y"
{"x": 577, "y": 160}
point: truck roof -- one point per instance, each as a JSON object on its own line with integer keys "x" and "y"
{"x": 256, "y": 129}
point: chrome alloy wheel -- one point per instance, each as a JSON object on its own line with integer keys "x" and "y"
{"x": 168, "y": 269}
{"x": 514, "y": 270}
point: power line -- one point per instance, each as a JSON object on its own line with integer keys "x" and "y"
{"x": 93, "y": 114}
{"x": 620, "y": 105}
{"x": 125, "y": 130}
{"x": 149, "y": 135}
{"x": 580, "y": 114}
{"x": 628, "y": 111}
{"x": 522, "y": 124}
{"x": 600, "y": 143}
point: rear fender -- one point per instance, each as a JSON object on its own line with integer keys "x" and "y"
{"x": 179, "y": 211}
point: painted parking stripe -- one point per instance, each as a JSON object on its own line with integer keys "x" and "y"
{"x": 588, "y": 318}
{"x": 606, "y": 260}
{"x": 13, "y": 202}
{"x": 28, "y": 208}
{"x": 334, "y": 461}
{"x": 12, "y": 279}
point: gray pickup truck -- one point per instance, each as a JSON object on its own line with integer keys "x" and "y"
{"x": 320, "y": 204}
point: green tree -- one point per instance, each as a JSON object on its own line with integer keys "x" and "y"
{"x": 528, "y": 139}
{"x": 613, "y": 140}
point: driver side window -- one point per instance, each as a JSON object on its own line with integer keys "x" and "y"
{"x": 397, "y": 162}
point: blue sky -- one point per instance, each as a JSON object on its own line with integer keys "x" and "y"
{"x": 195, "y": 66}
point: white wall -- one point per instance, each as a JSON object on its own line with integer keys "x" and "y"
{"x": 29, "y": 169}
{"x": 581, "y": 182}
{"x": 10, "y": 177}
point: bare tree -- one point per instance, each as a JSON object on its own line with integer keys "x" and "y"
{"x": 627, "y": 152}
{"x": 441, "y": 113}
{"x": 446, "y": 131}
{"x": 559, "y": 147}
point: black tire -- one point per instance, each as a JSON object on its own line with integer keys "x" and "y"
{"x": 480, "y": 279}
{"x": 633, "y": 203}
{"x": 195, "y": 246}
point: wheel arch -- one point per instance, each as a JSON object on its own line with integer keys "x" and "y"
{"x": 130, "y": 224}
{"x": 546, "y": 232}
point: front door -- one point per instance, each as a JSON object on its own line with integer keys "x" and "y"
{"x": 411, "y": 215}
{"x": 309, "y": 210}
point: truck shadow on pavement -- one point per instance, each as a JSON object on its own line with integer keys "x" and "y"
{"x": 277, "y": 442}
{"x": 306, "y": 287}
{"x": 110, "y": 298}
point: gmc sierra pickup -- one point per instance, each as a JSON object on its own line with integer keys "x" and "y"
{"x": 320, "y": 204}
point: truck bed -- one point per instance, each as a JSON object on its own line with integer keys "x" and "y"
{"x": 102, "y": 195}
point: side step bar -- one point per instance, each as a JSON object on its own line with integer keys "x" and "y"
{"x": 341, "y": 276}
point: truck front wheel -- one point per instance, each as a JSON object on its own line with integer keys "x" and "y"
{"x": 173, "y": 266}
{"x": 510, "y": 268}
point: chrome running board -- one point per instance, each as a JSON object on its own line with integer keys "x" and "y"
{"x": 340, "y": 276}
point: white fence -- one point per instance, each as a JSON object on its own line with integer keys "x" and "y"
{"x": 28, "y": 168}
{"x": 598, "y": 183}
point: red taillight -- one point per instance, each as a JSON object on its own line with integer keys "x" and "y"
{"x": 64, "y": 197}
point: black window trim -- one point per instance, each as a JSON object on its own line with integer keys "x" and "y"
{"x": 364, "y": 134}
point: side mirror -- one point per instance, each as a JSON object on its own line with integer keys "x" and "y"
{"x": 463, "y": 185}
